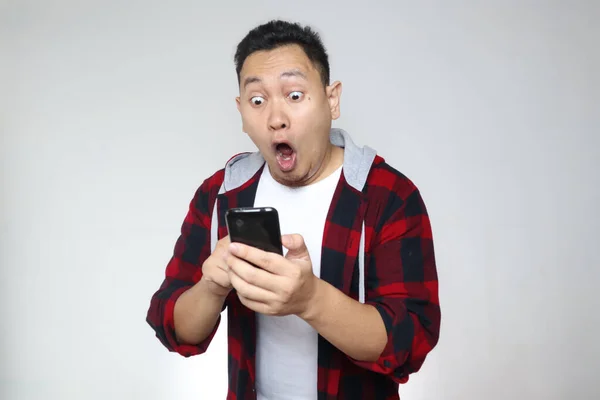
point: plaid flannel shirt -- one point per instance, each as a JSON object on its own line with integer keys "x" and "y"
{"x": 400, "y": 282}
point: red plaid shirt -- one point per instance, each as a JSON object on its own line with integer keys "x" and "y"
{"x": 400, "y": 282}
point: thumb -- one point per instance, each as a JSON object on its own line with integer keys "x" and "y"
{"x": 295, "y": 245}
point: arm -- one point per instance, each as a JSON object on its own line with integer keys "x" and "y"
{"x": 401, "y": 283}
{"x": 182, "y": 276}
{"x": 196, "y": 313}
{"x": 354, "y": 328}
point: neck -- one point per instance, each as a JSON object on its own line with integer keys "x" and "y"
{"x": 333, "y": 159}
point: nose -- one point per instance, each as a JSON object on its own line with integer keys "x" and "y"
{"x": 278, "y": 118}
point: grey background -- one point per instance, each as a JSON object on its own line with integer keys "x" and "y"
{"x": 112, "y": 113}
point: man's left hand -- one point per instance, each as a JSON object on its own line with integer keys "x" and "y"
{"x": 280, "y": 285}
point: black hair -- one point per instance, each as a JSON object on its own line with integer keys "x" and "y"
{"x": 277, "y": 33}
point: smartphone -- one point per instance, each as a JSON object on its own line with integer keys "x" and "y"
{"x": 255, "y": 226}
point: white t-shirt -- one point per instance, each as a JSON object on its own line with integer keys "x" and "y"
{"x": 286, "y": 348}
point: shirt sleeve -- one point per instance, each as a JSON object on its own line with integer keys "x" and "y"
{"x": 402, "y": 284}
{"x": 183, "y": 270}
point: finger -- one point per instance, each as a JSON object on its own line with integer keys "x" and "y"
{"x": 250, "y": 291}
{"x": 222, "y": 265}
{"x": 222, "y": 246}
{"x": 221, "y": 278}
{"x": 254, "y": 275}
{"x": 266, "y": 260}
{"x": 224, "y": 243}
{"x": 217, "y": 262}
{"x": 295, "y": 245}
{"x": 255, "y": 305}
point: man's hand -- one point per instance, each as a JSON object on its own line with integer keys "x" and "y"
{"x": 287, "y": 286}
{"x": 214, "y": 270}
{"x": 281, "y": 285}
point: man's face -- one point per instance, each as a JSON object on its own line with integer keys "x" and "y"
{"x": 287, "y": 113}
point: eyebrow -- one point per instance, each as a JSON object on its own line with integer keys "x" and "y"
{"x": 294, "y": 72}
{"x": 285, "y": 74}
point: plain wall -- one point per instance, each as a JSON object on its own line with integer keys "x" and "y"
{"x": 112, "y": 113}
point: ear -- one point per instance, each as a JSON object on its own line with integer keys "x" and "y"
{"x": 237, "y": 103}
{"x": 334, "y": 94}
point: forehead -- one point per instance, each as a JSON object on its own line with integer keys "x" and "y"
{"x": 269, "y": 64}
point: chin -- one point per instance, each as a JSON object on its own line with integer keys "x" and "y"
{"x": 288, "y": 178}
{"x": 294, "y": 178}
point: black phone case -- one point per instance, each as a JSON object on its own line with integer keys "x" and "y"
{"x": 255, "y": 226}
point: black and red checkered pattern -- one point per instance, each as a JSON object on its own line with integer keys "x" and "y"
{"x": 400, "y": 282}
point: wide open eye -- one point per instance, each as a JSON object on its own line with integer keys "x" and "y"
{"x": 257, "y": 100}
{"x": 295, "y": 96}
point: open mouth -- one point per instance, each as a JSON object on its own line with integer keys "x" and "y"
{"x": 285, "y": 155}
{"x": 284, "y": 150}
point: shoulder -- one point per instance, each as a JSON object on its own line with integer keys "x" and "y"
{"x": 387, "y": 180}
{"x": 214, "y": 181}
{"x": 211, "y": 183}
{"x": 236, "y": 171}
{"x": 391, "y": 195}
{"x": 209, "y": 187}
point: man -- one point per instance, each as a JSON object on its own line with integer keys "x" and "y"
{"x": 352, "y": 307}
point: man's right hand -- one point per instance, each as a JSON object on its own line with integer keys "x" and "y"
{"x": 214, "y": 270}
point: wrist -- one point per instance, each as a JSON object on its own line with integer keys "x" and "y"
{"x": 315, "y": 302}
{"x": 211, "y": 289}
